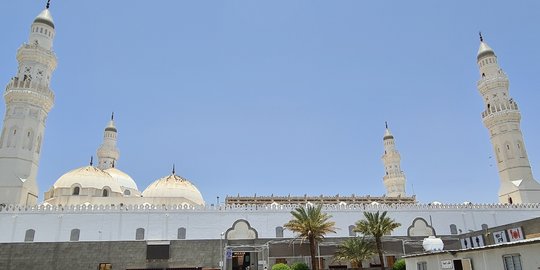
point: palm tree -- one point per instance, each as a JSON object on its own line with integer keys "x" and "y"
{"x": 311, "y": 224}
{"x": 376, "y": 225}
{"x": 355, "y": 250}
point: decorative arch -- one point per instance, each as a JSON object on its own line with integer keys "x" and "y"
{"x": 29, "y": 139}
{"x": 420, "y": 227}
{"x": 12, "y": 137}
{"x": 521, "y": 149}
{"x": 508, "y": 151}
{"x": 241, "y": 229}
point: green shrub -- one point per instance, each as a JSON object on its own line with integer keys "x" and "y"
{"x": 280, "y": 266}
{"x": 299, "y": 266}
{"x": 399, "y": 265}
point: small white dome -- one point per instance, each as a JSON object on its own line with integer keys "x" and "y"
{"x": 432, "y": 243}
{"x": 174, "y": 186}
{"x": 484, "y": 50}
{"x": 87, "y": 177}
{"x": 45, "y": 17}
{"x": 122, "y": 178}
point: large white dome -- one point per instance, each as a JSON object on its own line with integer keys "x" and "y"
{"x": 87, "y": 177}
{"x": 123, "y": 179}
{"x": 174, "y": 186}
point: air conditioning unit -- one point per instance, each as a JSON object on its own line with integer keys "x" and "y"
{"x": 463, "y": 264}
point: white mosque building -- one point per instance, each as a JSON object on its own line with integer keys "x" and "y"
{"x": 101, "y": 203}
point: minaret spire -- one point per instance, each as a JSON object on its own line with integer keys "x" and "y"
{"x": 28, "y": 91}
{"x": 501, "y": 116}
{"x": 394, "y": 178}
{"x": 108, "y": 153}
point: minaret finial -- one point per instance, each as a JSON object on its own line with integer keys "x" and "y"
{"x": 91, "y": 160}
{"x": 112, "y": 116}
{"x": 173, "y": 171}
{"x": 481, "y": 37}
{"x": 386, "y": 124}
{"x": 48, "y": 4}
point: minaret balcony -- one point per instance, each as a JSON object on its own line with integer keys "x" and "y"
{"x": 501, "y": 108}
{"x": 28, "y": 90}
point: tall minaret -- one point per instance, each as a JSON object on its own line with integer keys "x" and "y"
{"x": 28, "y": 101}
{"x": 394, "y": 178}
{"x": 108, "y": 153}
{"x": 502, "y": 118}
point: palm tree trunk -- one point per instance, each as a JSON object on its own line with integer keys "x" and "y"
{"x": 313, "y": 253}
{"x": 379, "y": 250}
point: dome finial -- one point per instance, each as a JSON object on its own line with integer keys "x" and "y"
{"x": 48, "y": 4}
{"x": 173, "y": 171}
{"x": 91, "y": 160}
{"x": 481, "y": 37}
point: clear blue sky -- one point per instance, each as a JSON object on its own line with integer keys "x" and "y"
{"x": 283, "y": 97}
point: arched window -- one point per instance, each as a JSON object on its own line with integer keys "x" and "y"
{"x": 76, "y": 190}
{"x": 105, "y": 193}
{"x": 279, "y": 232}
{"x": 351, "y": 230}
{"x": 12, "y": 137}
{"x": 139, "y": 234}
{"x": 453, "y": 229}
{"x": 508, "y": 151}
{"x": 38, "y": 148}
{"x": 521, "y": 149}
{"x": 29, "y": 235}
{"x": 181, "y": 233}
{"x": 510, "y": 200}
{"x": 127, "y": 192}
{"x": 75, "y": 233}
{"x": 29, "y": 140}
{"x": 484, "y": 227}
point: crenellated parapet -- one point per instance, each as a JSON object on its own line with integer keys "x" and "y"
{"x": 257, "y": 207}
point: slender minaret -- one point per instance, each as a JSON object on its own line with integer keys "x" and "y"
{"x": 394, "y": 178}
{"x": 28, "y": 101}
{"x": 108, "y": 153}
{"x": 502, "y": 118}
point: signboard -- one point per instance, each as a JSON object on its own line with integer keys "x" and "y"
{"x": 466, "y": 243}
{"x": 447, "y": 264}
{"x": 477, "y": 241}
{"x": 228, "y": 253}
{"x": 499, "y": 237}
{"x": 515, "y": 234}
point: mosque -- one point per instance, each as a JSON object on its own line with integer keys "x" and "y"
{"x": 100, "y": 208}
